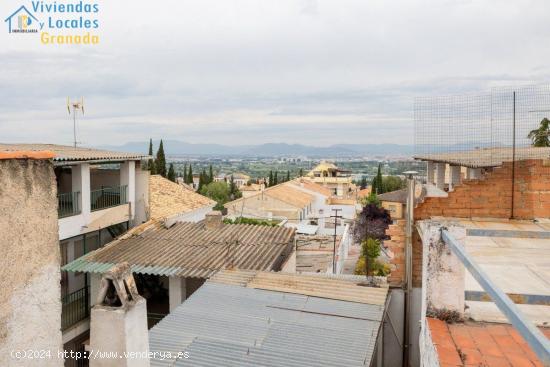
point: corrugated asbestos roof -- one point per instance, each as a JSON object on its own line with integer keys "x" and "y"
{"x": 230, "y": 325}
{"x": 167, "y": 198}
{"x": 191, "y": 250}
{"x": 72, "y": 154}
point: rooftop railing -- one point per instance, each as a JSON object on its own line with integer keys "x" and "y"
{"x": 68, "y": 204}
{"x": 108, "y": 197}
{"x": 75, "y": 307}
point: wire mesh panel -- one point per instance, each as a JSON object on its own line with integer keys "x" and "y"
{"x": 502, "y": 135}
{"x": 483, "y": 130}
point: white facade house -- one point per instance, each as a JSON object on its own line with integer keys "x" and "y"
{"x": 100, "y": 195}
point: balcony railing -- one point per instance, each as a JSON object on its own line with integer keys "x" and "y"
{"x": 68, "y": 204}
{"x": 107, "y": 197}
{"x": 75, "y": 307}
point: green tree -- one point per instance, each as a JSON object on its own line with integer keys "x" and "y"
{"x": 275, "y": 179}
{"x": 377, "y": 182}
{"x": 392, "y": 183}
{"x": 190, "y": 175}
{"x": 287, "y": 176}
{"x": 372, "y": 198}
{"x": 363, "y": 183}
{"x": 218, "y": 191}
{"x": 185, "y": 173}
{"x": 202, "y": 180}
{"x": 301, "y": 172}
{"x": 151, "y": 162}
{"x": 210, "y": 175}
{"x": 270, "y": 180}
{"x": 171, "y": 173}
{"x": 540, "y": 137}
{"x": 160, "y": 163}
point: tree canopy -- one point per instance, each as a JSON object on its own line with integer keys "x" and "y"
{"x": 160, "y": 162}
{"x": 540, "y": 137}
{"x": 171, "y": 173}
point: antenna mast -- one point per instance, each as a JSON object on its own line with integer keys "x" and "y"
{"x": 78, "y": 105}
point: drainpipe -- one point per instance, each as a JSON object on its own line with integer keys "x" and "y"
{"x": 408, "y": 266}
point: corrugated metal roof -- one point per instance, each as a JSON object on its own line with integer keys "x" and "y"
{"x": 337, "y": 288}
{"x": 64, "y": 153}
{"x": 191, "y": 250}
{"x": 229, "y": 325}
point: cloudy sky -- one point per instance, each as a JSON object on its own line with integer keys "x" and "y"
{"x": 255, "y": 71}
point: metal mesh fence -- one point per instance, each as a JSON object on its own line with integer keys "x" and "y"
{"x": 483, "y": 130}
{"x": 491, "y": 136}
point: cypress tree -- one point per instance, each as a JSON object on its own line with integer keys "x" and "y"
{"x": 171, "y": 173}
{"x": 185, "y": 173}
{"x": 270, "y": 182}
{"x": 211, "y": 175}
{"x": 202, "y": 180}
{"x": 160, "y": 163}
{"x": 301, "y": 172}
{"x": 287, "y": 176}
{"x": 275, "y": 179}
{"x": 232, "y": 187}
{"x": 377, "y": 184}
{"x": 151, "y": 162}
{"x": 190, "y": 175}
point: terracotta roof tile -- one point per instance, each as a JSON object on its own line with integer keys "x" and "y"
{"x": 481, "y": 344}
{"x": 167, "y": 198}
{"x": 70, "y": 153}
{"x": 27, "y": 154}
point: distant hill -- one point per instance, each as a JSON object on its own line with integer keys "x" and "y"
{"x": 175, "y": 147}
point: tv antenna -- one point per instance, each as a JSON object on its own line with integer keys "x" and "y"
{"x": 78, "y": 105}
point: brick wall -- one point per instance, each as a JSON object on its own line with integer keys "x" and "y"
{"x": 397, "y": 246}
{"x": 489, "y": 197}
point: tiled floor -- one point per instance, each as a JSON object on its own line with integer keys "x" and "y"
{"x": 481, "y": 344}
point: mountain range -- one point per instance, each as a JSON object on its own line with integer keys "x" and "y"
{"x": 177, "y": 148}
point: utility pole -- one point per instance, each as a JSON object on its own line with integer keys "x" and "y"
{"x": 336, "y": 217}
{"x": 408, "y": 266}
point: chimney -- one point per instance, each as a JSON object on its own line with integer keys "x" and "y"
{"x": 119, "y": 321}
{"x": 213, "y": 220}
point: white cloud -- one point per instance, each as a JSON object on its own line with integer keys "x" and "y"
{"x": 229, "y": 71}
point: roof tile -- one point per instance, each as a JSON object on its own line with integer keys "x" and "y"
{"x": 167, "y": 198}
{"x": 482, "y": 344}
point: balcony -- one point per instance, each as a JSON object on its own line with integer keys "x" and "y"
{"x": 74, "y": 308}
{"x": 108, "y": 197}
{"x": 68, "y": 204}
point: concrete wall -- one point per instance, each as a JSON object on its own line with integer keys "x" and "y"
{"x": 142, "y": 196}
{"x": 30, "y": 306}
{"x": 397, "y": 212}
{"x": 265, "y": 205}
{"x": 289, "y": 266}
{"x": 104, "y": 178}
